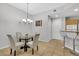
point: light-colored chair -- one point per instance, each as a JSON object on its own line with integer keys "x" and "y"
{"x": 26, "y": 36}
{"x": 68, "y": 37}
{"x": 34, "y": 43}
{"x": 13, "y": 45}
{"x": 19, "y": 36}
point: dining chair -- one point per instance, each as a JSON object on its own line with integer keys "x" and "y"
{"x": 68, "y": 35}
{"x": 29, "y": 37}
{"x": 26, "y": 36}
{"x": 69, "y": 38}
{"x": 14, "y": 45}
{"x": 19, "y": 36}
{"x": 63, "y": 34}
{"x": 74, "y": 37}
{"x": 34, "y": 43}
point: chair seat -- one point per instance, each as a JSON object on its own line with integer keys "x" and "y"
{"x": 30, "y": 44}
{"x": 19, "y": 43}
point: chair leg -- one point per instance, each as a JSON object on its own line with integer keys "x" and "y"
{"x": 32, "y": 51}
{"x": 37, "y": 48}
{"x": 10, "y": 51}
{"x": 14, "y": 52}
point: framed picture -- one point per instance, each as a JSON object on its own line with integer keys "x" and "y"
{"x": 38, "y": 23}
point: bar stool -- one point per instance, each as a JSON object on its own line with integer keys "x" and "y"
{"x": 68, "y": 35}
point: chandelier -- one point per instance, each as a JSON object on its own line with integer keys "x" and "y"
{"x": 27, "y": 20}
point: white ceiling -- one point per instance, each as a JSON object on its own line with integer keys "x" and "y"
{"x": 67, "y": 11}
{"x": 63, "y": 9}
{"x": 35, "y": 8}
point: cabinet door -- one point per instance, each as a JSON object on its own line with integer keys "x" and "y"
{"x": 71, "y": 24}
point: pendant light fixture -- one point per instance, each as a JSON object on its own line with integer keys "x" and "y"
{"x": 27, "y": 20}
{"x": 55, "y": 13}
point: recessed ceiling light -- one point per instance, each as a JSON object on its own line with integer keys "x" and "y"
{"x": 76, "y": 9}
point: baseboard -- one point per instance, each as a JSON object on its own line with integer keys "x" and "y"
{"x": 45, "y": 40}
{"x": 57, "y": 39}
{"x": 4, "y": 47}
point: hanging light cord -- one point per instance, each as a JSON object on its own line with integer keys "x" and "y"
{"x": 27, "y": 9}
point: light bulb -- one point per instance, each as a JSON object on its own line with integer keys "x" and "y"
{"x": 76, "y": 9}
{"x": 29, "y": 20}
{"x": 24, "y": 20}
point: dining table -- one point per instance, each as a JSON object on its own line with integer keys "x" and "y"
{"x": 26, "y": 41}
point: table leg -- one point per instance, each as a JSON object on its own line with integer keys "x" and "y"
{"x": 19, "y": 40}
{"x": 25, "y": 46}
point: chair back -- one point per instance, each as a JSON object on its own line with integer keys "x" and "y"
{"x": 63, "y": 34}
{"x": 68, "y": 35}
{"x": 18, "y": 35}
{"x": 71, "y": 35}
{"x": 11, "y": 40}
{"x": 36, "y": 39}
{"x": 26, "y": 36}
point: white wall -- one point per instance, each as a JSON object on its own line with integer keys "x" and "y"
{"x": 57, "y": 27}
{"x": 9, "y": 23}
{"x": 45, "y": 29}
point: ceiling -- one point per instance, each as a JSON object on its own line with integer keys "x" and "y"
{"x": 63, "y": 9}
{"x": 36, "y": 8}
{"x": 67, "y": 11}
